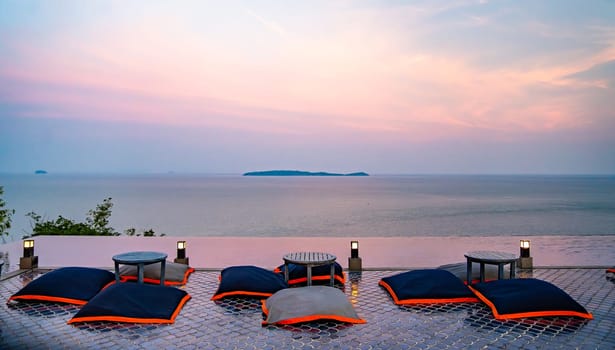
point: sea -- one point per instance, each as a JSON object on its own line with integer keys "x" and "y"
{"x": 289, "y": 206}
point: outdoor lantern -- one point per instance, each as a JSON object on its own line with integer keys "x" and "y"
{"x": 181, "y": 249}
{"x": 28, "y": 260}
{"x": 354, "y": 262}
{"x": 525, "y": 260}
{"x": 525, "y": 248}
{"x": 354, "y": 249}
{"x": 181, "y": 253}
{"x": 28, "y": 248}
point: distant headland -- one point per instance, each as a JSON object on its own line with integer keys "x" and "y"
{"x": 40, "y": 172}
{"x": 299, "y": 173}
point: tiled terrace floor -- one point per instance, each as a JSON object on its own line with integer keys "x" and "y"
{"x": 236, "y": 323}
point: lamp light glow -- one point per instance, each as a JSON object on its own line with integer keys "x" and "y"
{"x": 28, "y": 248}
{"x": 524, "y": 250}
{"x": 354, "y": 249}
{"x": 354, "y": 262}
{"x": 525, "y": 260}
{"x": 28, "y": 260}
{"x": 181, "y": 249}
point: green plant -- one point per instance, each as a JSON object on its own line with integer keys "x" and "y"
{"x": 149, "y": 233}
{"x": 96, "y": 223}
{"x": 98, "y": 218}
{"x": 5, "y": 216}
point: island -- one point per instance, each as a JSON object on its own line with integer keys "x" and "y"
{"x": 299, "y": 173}
{"x": 40, "y": 172}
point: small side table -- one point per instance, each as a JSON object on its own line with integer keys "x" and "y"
{"x": 309, "y": 260}
{"x": 140, "y": 259}
{"x": 490, "y": 257}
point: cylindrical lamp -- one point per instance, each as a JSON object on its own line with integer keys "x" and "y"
{"x": 524, "y": 250}
{"x": 354, "y": 262}
{"x": 28, "y": 260}
{"x": 28, "y": 248}
{"x": 354, "y": 249}
{"x": 181, "y": 249}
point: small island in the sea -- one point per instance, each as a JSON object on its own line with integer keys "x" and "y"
{"x": 40, "y": 172}
{"x": 299, "y": 173}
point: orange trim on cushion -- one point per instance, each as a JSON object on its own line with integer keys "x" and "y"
{"x": 309, "y": 318}
{"x": 340, "y": 279}
{"x": 126, "y": 278}
{"x": 180, "y": 305}
{"x": 499, "y": 316}
{"x": 119, "y": 319}
{"x": 438, "y": 301}
{"x": 425, "y": 300}
{"x": 240, "y": 293}
{"x": 390, "y": 290}
{"x": 48, "y": 298}
{"x": 264, "y": 307}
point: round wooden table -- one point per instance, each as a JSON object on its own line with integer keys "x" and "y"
{"x": 140, "y": 259}
{"x": 492, "y": 258}
{"x": 309, "y": 260}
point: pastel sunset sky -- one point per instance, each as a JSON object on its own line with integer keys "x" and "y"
{"x": 386, "y": 87}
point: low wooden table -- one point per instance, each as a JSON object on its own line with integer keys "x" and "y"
{"x": 309, "y": 260}
{"x": 140, "y": 259}
{"x": 490, "y": 257}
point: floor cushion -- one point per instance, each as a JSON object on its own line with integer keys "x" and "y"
{"x": 297, "y": 274}
{"x": 527, "y": 297}
{"x": 307, "y": 304}
{"x": 134, "y": 303}
{"x": 427, "y": 286}
{"x": 174, "y": 273}
{"x": 72, "y": 285}
{"x": 250, "y": 281}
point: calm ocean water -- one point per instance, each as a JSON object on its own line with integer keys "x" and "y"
{"x": 200, "y": 205}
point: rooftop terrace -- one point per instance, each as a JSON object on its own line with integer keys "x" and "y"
{"x": 236, "y": 323}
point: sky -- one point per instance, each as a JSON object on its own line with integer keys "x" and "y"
{"x": 386, "y": 87}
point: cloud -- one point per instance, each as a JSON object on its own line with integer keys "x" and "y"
{"x": 419, "y": 72}
{"x": 270, "y": 25}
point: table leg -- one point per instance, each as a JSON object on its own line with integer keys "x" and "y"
{"x": 500, "y": 271}
{"x": 512, "y": 270}
{"x": 117, "y": 272}
{"x": 332, "y": 275}
{"x": 163, "y": 267}
{"x": 140, "y": 273}
{"x": 482, "y": 272}
{"x": 469, "y": 272}
{"x": 286, "y": 272}
{"x": 309, "y": 275}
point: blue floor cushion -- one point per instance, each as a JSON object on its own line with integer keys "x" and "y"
{"x": 308, "y": 304}
{"x": 250, "y": 281}
{"x": 527, "y": 297}
{"x": 174, "y": 273}
{"x": 72, "y": 285}
{"x": 297, "y": 274}
{"x": 134, "y": 303}
{"x": 427, "y": 286}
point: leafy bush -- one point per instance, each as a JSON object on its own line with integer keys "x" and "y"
{"x": 96, "y": 224}
{"x": 5, "y": 216}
